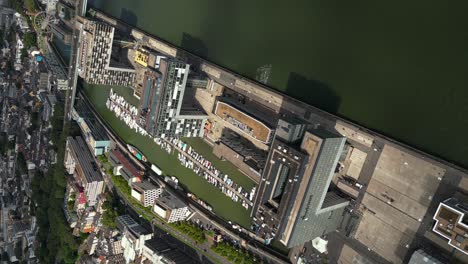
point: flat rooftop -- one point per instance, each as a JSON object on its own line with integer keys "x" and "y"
{"x": 84, "y": 111}
{"x": 85, "y": 159}
{"x": 170, "y": 201}
{"x": 145, "y": 185}
{"x": 247, "y": 124}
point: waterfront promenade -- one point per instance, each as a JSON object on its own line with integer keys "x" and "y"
{"x": 273, "y": 99}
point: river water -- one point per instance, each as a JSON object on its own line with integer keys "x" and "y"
{"x": 398, "y": 67}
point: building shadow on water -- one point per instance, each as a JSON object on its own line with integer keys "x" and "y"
{"x": 129, "y": 17}
{"x": 193, "y": 45}
{"x": 313, "y": 92}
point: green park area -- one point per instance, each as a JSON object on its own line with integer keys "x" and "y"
{"x": 222, "y": 205}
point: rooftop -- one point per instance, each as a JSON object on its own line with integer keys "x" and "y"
{"x": 85, "y": 159}
{"x": 170, "y": 201}
{"x": 127, "y": 222}
{"x": 144, "y": 186}
{"x": 125, "y": 162}
{"x": 84, "y": 111}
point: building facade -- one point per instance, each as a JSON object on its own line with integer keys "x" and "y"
{"x": 171, "y": 208}
{"x": 94, "y": 132}
{"x": 161, "y": 110}
{"x": 80, "y": 162}
{"x": 145, "y": 192}
{"x": 95, "y": 63}
{"x": 294, "y": 204}
{"x": 134, "y": 237}
{"x": 158, "y": 251}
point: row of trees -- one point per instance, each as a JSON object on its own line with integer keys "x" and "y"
{"x": 192, "y": 230}
{"x": 233, "y": 254}
{"x": 18, "y": 5}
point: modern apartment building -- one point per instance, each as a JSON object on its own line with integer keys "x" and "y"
{"x": 99, "y": 61}
{"x": 80, "y": 162}
{"x": 157, "y": 250}
{"x": 163, "y": 110}
{"x": 294, "y": 204}
{"x": 145, "y": 192}
{"x": 94, "y": 132}
{"x": 171, "y": 208}
{"x": 452, "y": 222}
{"x": 134, "y": 237}
{"x": 43, "y": 77}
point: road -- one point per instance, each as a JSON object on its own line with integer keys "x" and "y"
{"x": 157, "y": 224}
{"x": 73, "y": 70}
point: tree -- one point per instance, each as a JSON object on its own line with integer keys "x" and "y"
{"x": 109, "y": 216}
{"x": 29, "y": 40}
{"x": 24, "y": 53}
{"x": 30, "y": 5}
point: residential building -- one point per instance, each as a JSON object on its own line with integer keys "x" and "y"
{"x": 98, "y": 61}
{"x": 145, "y": 192}
{"x": 294, "y": 204}
{"x": 134, "y": 237}
{"x": 157, "y": 251}
{"x": 124, "y": 167}
{"x": 452, "y": 221}
{"x": 163, "y": 110}
{"x": 93, "y": 131}
{"x": 21, "y": 22}
{"x": 80, "y": 162}
{"x": 6, "y": 17}
{"x": 43, "y": 77}
{"x": 170, "y": 208}
{"x": 48, "y": 104}
{"x": 88, "y": 220}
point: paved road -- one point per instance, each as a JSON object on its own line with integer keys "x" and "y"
{"x": 161, "y": 225}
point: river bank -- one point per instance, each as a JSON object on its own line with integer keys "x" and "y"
{"x": 403, "y": 77}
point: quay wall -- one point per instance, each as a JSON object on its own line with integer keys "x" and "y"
{"x": 273, "y": 99}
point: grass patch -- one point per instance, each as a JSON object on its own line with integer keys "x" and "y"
{"x": 222, "y": 205}
{"x": 233, "y": 254}
{"x": 193, "y": 231}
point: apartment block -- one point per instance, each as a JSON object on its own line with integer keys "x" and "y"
{"x": 100, "y": 62}
{"x": 93, "y": 131}
{"x": 145, "y": 192}
{"x": 134, "y": 237}
{"x": 171, "y": 208}
{"x": 80, "y": 162}
{"x": 163, "y": 109}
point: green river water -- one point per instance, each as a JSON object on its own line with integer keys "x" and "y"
{"x": 398, "y": 67}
